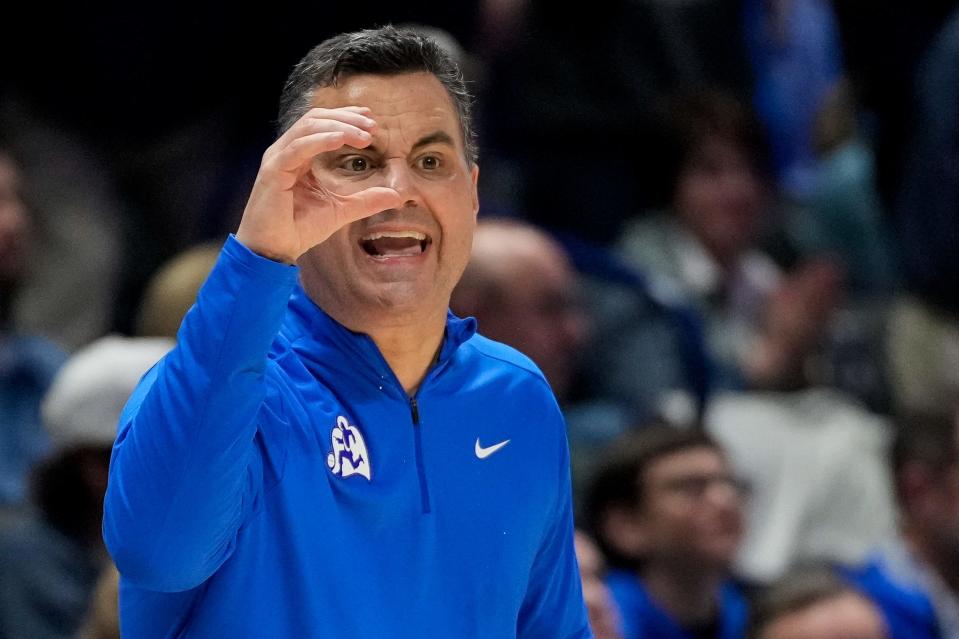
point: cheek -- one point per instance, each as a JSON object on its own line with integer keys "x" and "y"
{"x": 333, "y": 255}
{"x": 671, "y": 523}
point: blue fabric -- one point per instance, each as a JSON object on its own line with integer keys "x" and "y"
{"x": 794, "y": 71}
{"x": 908, "y": 612}
{"x": 233, "y": 509}
{"x": 642, "y": 618}
{"x": 27, "y": 367}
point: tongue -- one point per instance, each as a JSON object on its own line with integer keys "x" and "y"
{"x": 396, "y": 246}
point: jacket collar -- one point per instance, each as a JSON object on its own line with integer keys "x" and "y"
{"x": 307, "y": 325}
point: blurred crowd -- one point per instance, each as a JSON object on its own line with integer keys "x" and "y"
{"x": 725, "y": 230}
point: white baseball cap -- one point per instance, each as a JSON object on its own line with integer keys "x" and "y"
{"x": 83, "y": 405}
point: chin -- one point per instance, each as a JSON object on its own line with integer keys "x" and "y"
{"x": 401, "y": 297}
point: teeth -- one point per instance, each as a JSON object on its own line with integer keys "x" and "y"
{"x": 412, "y": 234}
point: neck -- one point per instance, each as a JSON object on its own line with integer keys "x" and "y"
{"x": 410, "y": 350}
{"x": 408, "y": 338}
{"x": 690, "y": 597}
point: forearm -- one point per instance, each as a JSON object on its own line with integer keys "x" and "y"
{"x": 181, "y": 468}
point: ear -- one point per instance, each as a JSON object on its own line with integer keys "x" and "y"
{"x": 474, "y": 175}
{"x": 624, "y": 530}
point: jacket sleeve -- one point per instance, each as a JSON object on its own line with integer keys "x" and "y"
{"x": 553, "y": 607}
{"x": 184, "y": 469}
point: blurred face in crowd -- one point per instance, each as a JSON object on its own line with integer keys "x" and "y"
{"x": 532, "y": 299}
{"x": 847, "y": 616}
{"x": 603, "y": 616}
{"x": 691, "y": 511}
{"x": 13, "y": 222}
{"x": 721, "y": 198}
{"x": 405, "y": 259}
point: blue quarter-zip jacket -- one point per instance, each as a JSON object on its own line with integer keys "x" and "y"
{"x": 271, "y": 478}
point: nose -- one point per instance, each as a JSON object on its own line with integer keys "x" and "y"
{"x": 400, "y": 178}
{"x": 725, "y": 495}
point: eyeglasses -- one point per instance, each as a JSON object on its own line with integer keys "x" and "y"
{"x": 697, "y": 486}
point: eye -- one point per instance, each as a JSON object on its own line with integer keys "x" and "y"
{"x": 430, "y": 162}
{"x": 356, "y": 164}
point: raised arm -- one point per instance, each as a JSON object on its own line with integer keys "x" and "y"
{"x": 186, "y": 466}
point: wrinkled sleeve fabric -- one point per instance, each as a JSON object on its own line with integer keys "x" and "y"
{"x": 183, "y": 473}
{"x": 553, "y": 607}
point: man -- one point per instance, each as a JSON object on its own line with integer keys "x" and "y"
{"x": 925, "y": 558}
{"x": 342, "y": 457}
{"x": 523, "y": 291}
{"x": 603, "y": 616}
{"x": 815, "y": 604}
{"x": 53, "y": 553}
{"x": 27, "y": 362}
{"x": 668, "y": 514}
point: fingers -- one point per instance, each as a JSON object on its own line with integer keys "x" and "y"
{"x": 354, "y": 116}
{"x": 300, "y": 152}
{"x": 349, "y": 208}
{"x": 319, "y": 131}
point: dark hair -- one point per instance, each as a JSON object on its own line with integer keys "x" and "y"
{"x": 929, "y": 438}
{"x": 618, "y": 479}
{"x": 382, "y": 51}
{"x": 693, "y": 117}
{"x": 61, "y": 490}
{"x": 800, "y": 589}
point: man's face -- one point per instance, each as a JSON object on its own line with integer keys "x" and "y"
{"x": 691, "y": 509}
{"x": 542, "y": 317}
{"x": 13, "y": 223}
{"x": 403, "y": 260}
{"x": 720, "y": 198}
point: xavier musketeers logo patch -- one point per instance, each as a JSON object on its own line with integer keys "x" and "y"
{"x": 349, "y": 455}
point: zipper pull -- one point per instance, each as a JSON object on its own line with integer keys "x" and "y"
{"x": 415, "y": 410}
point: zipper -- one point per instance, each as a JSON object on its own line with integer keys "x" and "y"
{"x": 418, "y": 442}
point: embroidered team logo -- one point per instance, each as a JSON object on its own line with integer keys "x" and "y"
{"x": 349, "y": 456}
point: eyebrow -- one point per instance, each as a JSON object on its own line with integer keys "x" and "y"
{"x": 436, "y": 137}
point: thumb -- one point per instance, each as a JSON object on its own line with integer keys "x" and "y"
{"x": 371, "y": 201}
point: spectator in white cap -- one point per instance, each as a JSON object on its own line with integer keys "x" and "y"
{"x": 52, "y": 557}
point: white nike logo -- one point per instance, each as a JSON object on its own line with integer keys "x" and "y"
{"x": 483, "y": 453}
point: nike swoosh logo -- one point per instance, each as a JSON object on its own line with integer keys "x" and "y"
{"x": 483, "y": 453}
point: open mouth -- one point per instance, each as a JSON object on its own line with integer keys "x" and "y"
{"x": 388, "y": 244}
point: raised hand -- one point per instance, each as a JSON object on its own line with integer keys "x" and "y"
{"x": 290, "y": 211}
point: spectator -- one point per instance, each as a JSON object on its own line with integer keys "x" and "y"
{"x": 815, "y": 604}
{"x": 603, "y": 615}
{"x": 27, "y": 363}
{"x": 817, "y": 465}
{"x": 667, "y": 511}
{"x": 172, "y": 290}
{"x": 924, "y": 337}
{"x": 925, "y": 556}
{"x": 523, "y": 291}
{"x": 760, "y": 325}
{"x": 52, "y": 557}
